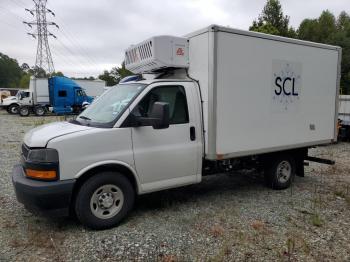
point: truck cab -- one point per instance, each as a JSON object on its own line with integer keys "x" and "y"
{"x": 130, "y": 126}
{"x": 60, "y": 95}
{"x": 66, "y": 96}
{"x": 11, "y": 103}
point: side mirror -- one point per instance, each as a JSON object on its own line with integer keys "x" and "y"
{"x": 158, "y": 118}
{"x": 160, "y": 115}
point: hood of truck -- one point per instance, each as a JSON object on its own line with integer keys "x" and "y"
{"x": 8, "y": 100}
{"x": 40, "y": 136}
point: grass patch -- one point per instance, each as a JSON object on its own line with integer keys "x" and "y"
{"x": 316, "y": 220}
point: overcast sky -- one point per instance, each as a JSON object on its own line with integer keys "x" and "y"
{"x": 93, "y": 34}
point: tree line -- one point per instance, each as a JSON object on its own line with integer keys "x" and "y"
{"x": 13, "y": 75}
{"x": 326, "y": 29}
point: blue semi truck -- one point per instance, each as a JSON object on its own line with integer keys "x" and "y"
{"x": 60, "y": 95}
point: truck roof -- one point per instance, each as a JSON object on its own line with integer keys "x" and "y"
{"x": 150, "y": 81}
{"x": 215, "y": 27}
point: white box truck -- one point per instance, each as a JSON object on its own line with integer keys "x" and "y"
{"x": 344, "y": 117}
{"x": 216, "y": 100}
{"x": 92, "y": 88}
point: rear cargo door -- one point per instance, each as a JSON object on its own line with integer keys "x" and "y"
{"x": 169, "y": 157}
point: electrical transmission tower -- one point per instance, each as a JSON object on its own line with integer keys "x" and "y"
{"x": 41, "y": 33}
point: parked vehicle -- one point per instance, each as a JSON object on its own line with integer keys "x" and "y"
{"x": 60, "y": 95}
{"x": 92, "y": 88}
{"x": 220, "y": 99}
{"x": 10, "y": 103}
{"x": 344, "y": 118}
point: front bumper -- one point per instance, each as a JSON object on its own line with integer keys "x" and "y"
{"x": 52, "y": 198}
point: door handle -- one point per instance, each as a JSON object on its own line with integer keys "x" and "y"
{"x": 192, "y": 133}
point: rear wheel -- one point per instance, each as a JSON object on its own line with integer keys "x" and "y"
{"x": 13, "y": 109}
{"x": 280, "y": 171}
{"x": 39, "y": 110}
{"x": 24, "y": 111}
{"x": 104, "y": 200}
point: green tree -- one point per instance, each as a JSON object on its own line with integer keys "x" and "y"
{"x": 120, "y": 72}
{"x": 10, "y": 72}
{"x": 327, "y": 27}
{"x": 267, "y": 29}
{"x": 329, "y": 30}
{"x": 115, "y": 75}
{"x": 58, "y": 73}
{"x": 309, "y": 30}
{"x": 109, "y": 78}
{"x": 24, "y": 81}
{"x": 273, "y": 21}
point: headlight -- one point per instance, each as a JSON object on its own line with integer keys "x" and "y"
{"x": 41, "y": 163}
{"x": 45, "y": 155}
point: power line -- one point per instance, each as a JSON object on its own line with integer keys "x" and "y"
{"x": 66, "y": 59}
{"x": 41, "y": 33}
{"x": 73, "y": 40}
{"x": 72, "y": 53}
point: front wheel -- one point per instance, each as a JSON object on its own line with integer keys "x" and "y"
{"x": 24, "y": 111}
{"x": 104, "y": 200}
{"x": 280, "y": 171}
{"x": 13, "y": 109}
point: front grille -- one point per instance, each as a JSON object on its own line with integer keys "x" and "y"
{"x": 25, "y": 150}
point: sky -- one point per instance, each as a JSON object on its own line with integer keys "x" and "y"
{"x": 93, "y": 34}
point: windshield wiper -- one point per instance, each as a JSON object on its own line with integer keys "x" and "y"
{"x": 84, "y": 117}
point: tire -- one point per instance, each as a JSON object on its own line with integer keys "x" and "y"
{"x": 280, "y": 171}
{"x": 39, "y": 111}
{"x": 104, "y": 200}
{"x": 13, "y": 109}
{"x": 24, "y": 111}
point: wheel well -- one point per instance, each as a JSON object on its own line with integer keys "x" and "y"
{"x": 108, "y": 167}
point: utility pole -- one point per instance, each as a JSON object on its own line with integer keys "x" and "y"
{"x": 41, "y": 33}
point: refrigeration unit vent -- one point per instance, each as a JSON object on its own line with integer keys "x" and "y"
{"x": 157, "y": 53}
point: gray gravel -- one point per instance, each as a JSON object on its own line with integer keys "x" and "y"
{"x": 225, "y": 218}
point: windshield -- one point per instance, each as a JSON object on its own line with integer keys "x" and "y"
{"x": 105, "y": 110}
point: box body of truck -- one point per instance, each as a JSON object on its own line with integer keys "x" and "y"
{"x": 40, "y": 91}
{"x": 263, "y": 93}
{"x": 93, "y": 88}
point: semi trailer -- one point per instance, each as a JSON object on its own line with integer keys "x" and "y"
{"x": 92, "y": 88}
{"x": 59, "y": 95}
{"x": 214, "y": 101}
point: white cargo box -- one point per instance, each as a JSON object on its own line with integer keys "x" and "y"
{"x": 39, "y": 87}
{"x": 92, "y": 88}
{"x": 246, "y": 110}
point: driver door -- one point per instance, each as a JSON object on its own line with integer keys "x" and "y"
{"x": 167, "y": 157}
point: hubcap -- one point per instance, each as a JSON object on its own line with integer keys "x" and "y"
{"x": 14, "y": 110}
{"x": 24, "y": 111}
{"x": 40, "y": 111}
{"x": 106, "y": 201}
{"x": 284, "y": 171}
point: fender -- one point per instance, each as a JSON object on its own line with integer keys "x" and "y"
{"x": 108, "y": 162}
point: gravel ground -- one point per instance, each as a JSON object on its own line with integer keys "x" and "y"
{"x": 225, "y": 218}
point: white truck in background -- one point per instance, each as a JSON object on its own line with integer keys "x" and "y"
{"x": 93, "y": 88}
{"x": 38, "y": 93}
{"x": 220, "y": 99}
{"x": 344, "y": 117}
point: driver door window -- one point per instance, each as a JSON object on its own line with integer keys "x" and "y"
{"x": 175, "y": 96}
